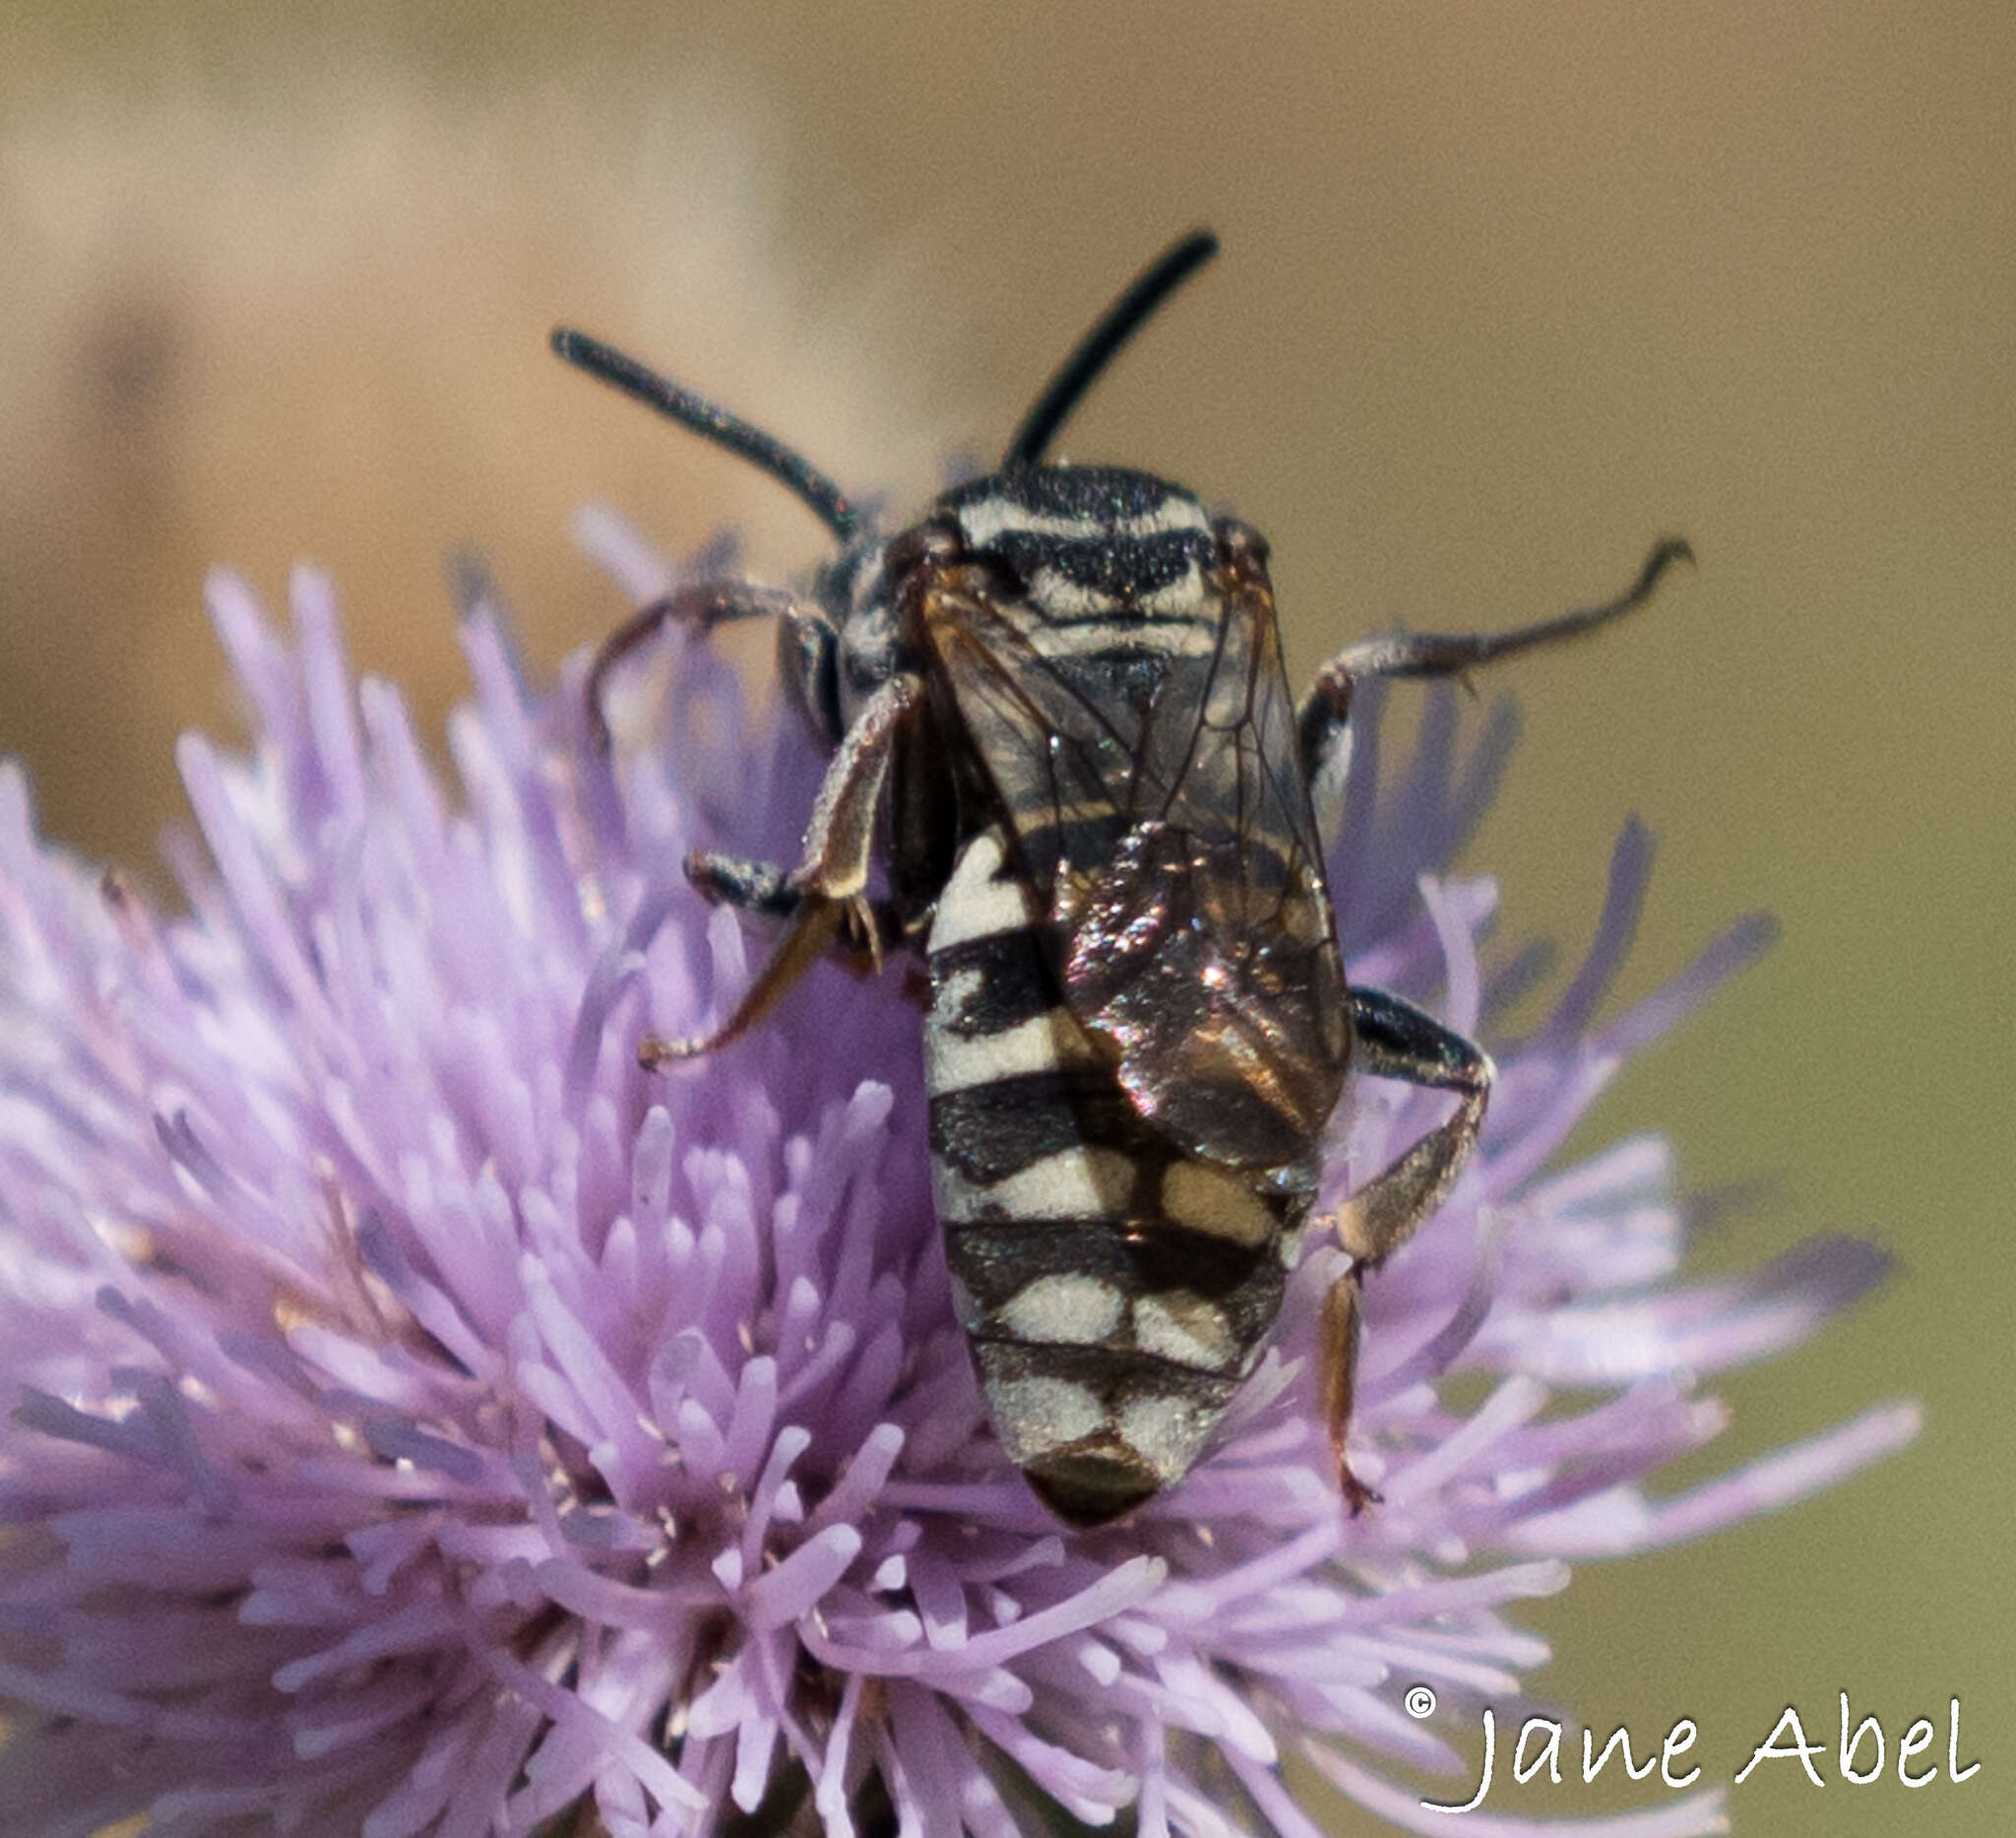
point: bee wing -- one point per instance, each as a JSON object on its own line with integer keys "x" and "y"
{"x": 1152, "y": 779}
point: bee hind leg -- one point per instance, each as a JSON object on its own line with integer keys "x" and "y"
{"x": 1394, "y": 1040}
{"x": 825, "y": 895}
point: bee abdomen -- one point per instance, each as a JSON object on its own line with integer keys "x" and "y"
{"x": 1115, "y": 1292}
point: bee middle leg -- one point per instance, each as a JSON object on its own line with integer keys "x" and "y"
{"x": 825, "y": 895}
{"x": 1394, "y": 1040}
{"x": 1326, "y": 709}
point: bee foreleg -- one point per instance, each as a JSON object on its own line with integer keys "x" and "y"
{"x": 829, "y": 885}
{"x": 802, "y": 946}
{"x": 1325, "y": 710}
{"x": 839, "y": 837}
{"x": 1394, "y": 1040}
{"x": 765, "y": 888}
{"x": 702, "y": 605}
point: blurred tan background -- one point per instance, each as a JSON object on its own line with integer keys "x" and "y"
{"x": 1506, "y": 292}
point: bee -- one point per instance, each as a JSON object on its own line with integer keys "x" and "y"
{"x": 1060, "y": 695}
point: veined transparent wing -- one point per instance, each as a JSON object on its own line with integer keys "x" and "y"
{"x": 1148, "y": 767}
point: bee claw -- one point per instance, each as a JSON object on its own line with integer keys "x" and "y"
{"x": 654, "y": 1052}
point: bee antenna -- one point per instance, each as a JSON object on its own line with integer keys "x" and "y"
{"x": 711, "y": 421}
{"x": 1097, "y": 348}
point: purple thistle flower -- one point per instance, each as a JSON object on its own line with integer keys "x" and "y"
{"x": 425, "y": 1421}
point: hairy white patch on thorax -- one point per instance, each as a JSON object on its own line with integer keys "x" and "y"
{"x": 981, "y": 520}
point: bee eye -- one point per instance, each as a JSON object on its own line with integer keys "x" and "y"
{"x": 1239, "y": 542}
{"x": 933, "y": 542}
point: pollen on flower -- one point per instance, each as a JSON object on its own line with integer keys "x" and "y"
{"x": 425, "y": 1420}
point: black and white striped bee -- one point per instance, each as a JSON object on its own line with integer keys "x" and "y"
{"x": 1064, "y": 686}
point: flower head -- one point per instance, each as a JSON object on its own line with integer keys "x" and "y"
{"x": 427, "y": 1422}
